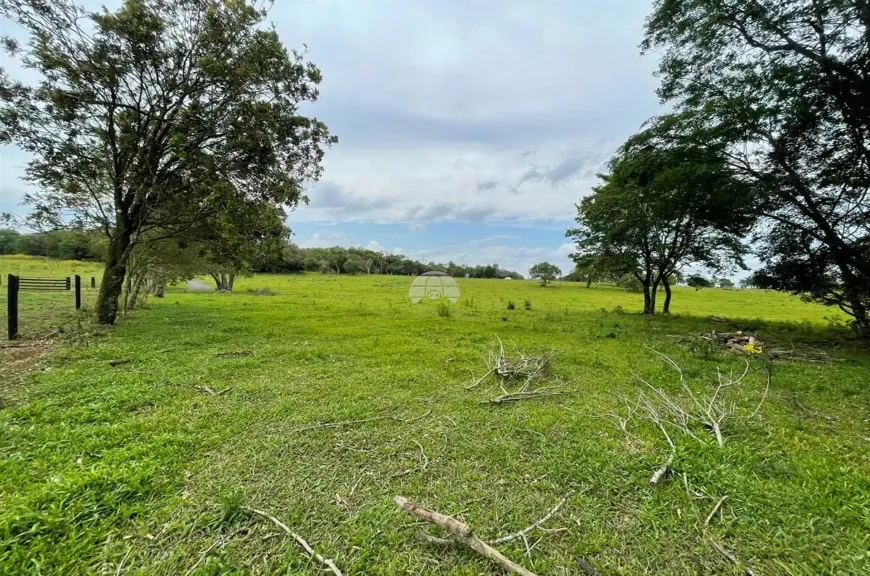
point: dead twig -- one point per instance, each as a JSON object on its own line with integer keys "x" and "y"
{"x": 714, "y": 510}
{"x": 202, "y": 557}
{"x": 362, "y": 421}
{"x": 463, "y": 534}
{"x": 660, "y": 473}
{"x": 532, "y": 527}
{"x": 328, "y": 562}
{"x": 724, "y": 552}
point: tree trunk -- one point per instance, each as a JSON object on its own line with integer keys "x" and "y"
{"x": 588, "y": 281}
{"x": 134, "y": 294}
{"x": 159, "y": 288}
{"x": 231, "y": 282}
{"x": 647, "y": 298}
{"x": 666, "y": 309}
{"x": 113, "y": 278}
{"x": 652, "y": 300}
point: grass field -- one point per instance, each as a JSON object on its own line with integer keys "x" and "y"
{"x": 133, "y": 470}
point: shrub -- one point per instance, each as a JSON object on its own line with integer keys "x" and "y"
{"x": 630, "y": 283}
{"x": 511, "y": 305}
{"x": 443, "y": 309}
{"x": 528, "y": 304}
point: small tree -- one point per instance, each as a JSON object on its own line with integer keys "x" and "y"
{"x": 697, "y": 282}
{"x": 545, "y": 272}
{"x": 661, "y": 208}
{"x": 725, "y": 283}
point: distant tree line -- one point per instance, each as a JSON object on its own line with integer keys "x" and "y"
{"x": 185, "y": 259}
{"x": 60, "y": 244}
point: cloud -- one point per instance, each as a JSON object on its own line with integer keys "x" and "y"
{"x": 333, "y": 198}
{"x": 486, "y": 185}
{"x": 442, "y": 211}
{"x": 327, "y": 240}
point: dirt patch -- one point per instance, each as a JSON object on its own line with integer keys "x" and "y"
{"x": 18, "y": 359}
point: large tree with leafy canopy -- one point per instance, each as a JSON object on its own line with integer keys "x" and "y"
{"x": 662, "y": 208}
{"x": 782, "y": 90}
{"x": 153, "y": 116}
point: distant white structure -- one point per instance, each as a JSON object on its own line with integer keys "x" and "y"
{"x": 433, "y": 285}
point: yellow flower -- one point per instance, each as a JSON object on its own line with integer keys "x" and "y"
{"x": 753, "y": 348}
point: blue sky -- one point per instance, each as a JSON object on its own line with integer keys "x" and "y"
{"x": 468, "y": 129}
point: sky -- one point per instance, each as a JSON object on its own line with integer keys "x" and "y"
{"x": 468, "y": 130}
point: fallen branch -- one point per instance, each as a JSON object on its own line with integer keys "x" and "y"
{"x": 714, "y": 510}
{"x": 724, "y": 552}
{"x": 462, "y": 532}
{"x": 532, "y": 527}
{"x": 202, "y": 557}
{"x": 362, "y": 421}
{"x": 328, "y": 562}
{"x": 514, "y": 396}
{"x": 660, "y": 473}
{"x": 114, "y": 363}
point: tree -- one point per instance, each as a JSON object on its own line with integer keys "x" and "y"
{"x": 141, "y": 113}
{"x": 697, "y": 282}
{"x": 661, "y": 208}
{"x": 8, "y": 241}
{"x": 748, "y": 282}
{"x": 725, "y": 283}
{"x": 545, "y": 272}
{"x": 782, "y": 91}
{"x": 604, "y": 264}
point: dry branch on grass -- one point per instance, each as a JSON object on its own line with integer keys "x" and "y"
{"x": 715, "y": 509}
{"x": 362, "y": 421}
{"x": 463, "y": 534}
{"x": 746, "y": 343}
{"x": 523, "y": 372}
{"x": 731, "y": 558}
{"x": 328, "y": 562}
{"x": 210, "y": 392}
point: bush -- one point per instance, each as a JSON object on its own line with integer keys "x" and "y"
{"x": 511, "y": 305}
{"x": 528, "y": 304}
{"x": 443, "y": 309}
{"x": 630, "y": 283}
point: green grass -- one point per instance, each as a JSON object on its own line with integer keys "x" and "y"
{"x": 132, "y": 470}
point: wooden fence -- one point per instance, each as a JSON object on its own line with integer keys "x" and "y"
{"x": 16, "y": 284}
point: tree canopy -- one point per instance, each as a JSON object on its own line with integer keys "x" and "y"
{"x": 154, "y": 116}
{"x": 545, "y": 272}
{"x": 782, "y": 91}
{"x": 661, "y": 208}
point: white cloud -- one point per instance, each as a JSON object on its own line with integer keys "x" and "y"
{"x": 326, "y": 240}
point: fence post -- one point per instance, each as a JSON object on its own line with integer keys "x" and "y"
{"x": 93, "y": 282}
{"x": 68, "y": 286}
{"x": 78, "y": 292}
{"x": 12, "y": 306}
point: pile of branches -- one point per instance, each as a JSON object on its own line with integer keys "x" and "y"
{"x": 520, "y": 375}
{"x": 738, "y": 341}
{"x": 748, "y": 344}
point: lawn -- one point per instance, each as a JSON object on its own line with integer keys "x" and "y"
{"x": 135, "y": 469}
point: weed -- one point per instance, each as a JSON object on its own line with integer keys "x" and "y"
{"x": 511, "y": 305}
{"x": 443, "y": 309}
{"x": 528, "y": 304}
